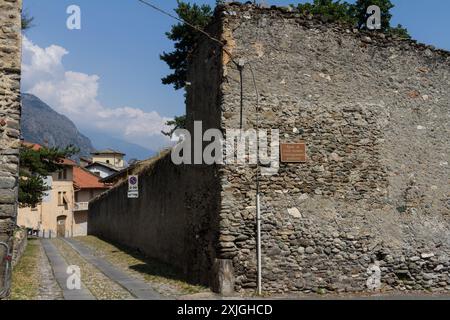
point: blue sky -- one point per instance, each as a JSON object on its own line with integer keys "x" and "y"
{"x": 116, "y": 57}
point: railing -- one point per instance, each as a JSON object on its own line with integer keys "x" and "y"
{"x": 81, "y": 206}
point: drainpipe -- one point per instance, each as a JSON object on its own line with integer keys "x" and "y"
{"x": 258, "y": 241}
{"x": 6, "y": 275}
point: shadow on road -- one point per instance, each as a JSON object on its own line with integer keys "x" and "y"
{"x": 150, "y": 266}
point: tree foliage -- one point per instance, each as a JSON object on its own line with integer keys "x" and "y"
{"x": 330, "y": 10}
{"x": 27, "y": 21}
{"x": 354, "y": 14}
{"x": 359, "y": 10}
{"x": 36, "y": 164}
{"x": 177, "y": 123}
{"x": 185, "y": 38}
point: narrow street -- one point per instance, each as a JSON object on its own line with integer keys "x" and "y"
{"x": 106, "y": 273}
{"x": 60, "y": 267}
{"x": 135, "y": 287}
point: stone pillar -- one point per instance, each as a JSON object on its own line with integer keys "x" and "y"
{"x": 223, "y": 277}
{"x": 10, "y": 65}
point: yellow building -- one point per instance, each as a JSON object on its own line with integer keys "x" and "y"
{"x": 63, "y": 211}
{"x": 54, "y": 216}
{"x": 109, "y": 157}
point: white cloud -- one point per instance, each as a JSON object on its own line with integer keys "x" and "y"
{"x": 74, "y": 94}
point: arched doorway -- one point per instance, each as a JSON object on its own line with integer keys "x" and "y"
{"x": 61, "y": 226}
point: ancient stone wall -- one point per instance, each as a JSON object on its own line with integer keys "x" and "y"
{"x": 10, "y": 60}
{"x": 374, "y": 192}
{"x": 374, "y": 112}
{"x": 174, "y": 220}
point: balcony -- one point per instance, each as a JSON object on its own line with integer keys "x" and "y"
{"x": 81, "y": 206}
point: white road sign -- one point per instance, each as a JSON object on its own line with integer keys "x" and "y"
{"x": 133, "y": 187}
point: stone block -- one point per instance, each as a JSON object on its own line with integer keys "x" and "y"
{"x": 223, "y": 277}
{"x": 7, "y": 196}
{"x": 7, "y": 210}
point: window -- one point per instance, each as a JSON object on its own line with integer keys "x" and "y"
{"x": 62, "y": 174}
{"x": 107, "y": 161}
{"x": 62, "y": 199}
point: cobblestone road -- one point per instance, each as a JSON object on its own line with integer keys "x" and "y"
{"x": 99, "y": 279}
{"x": 48, "y": 287}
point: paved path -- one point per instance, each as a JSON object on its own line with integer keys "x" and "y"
{"x": 48, "y": 287}
{"x": 59, "y": 267}
{"x": 139, "y": 289}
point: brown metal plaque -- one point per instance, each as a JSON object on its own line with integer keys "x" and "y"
{"x": 293, "y": 152}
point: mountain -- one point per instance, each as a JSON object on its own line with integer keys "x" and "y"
{"x": 132, "y": 151}
{"x": 42, "y": 125}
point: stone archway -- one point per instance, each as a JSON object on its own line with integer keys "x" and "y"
{"x": 10, "y": 110}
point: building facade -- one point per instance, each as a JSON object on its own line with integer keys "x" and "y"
{"x": 63, "y": 211}
{"x": 86, "y": 187}
{"x": 54, "y": 216}
{"x": 110, "y": 157}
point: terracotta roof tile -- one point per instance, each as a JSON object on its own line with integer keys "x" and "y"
{"x": 34, "y": 146}
{"x": 84, "y": 179}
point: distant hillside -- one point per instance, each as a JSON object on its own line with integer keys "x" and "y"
{"x": 41, "y": 124}
{"x": 132, "y": 151}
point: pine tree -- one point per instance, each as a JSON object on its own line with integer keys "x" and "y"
{"x": 176, "y": 123}
{"x": 185, "y": 38}
{"x": 27, "y": 21}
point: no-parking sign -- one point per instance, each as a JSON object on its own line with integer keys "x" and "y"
{"x": 133, "y": 187}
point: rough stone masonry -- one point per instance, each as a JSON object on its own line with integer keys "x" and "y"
{"x": 374, "y": 112}
{"x": 10, "y": 64}
{"x": 374, "y": 193}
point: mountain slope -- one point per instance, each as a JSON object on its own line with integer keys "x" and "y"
{"x": 42, "y": 125}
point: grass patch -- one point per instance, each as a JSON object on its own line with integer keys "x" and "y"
{"x": 150, "y": 270}
{"x": 25, "y": 280}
